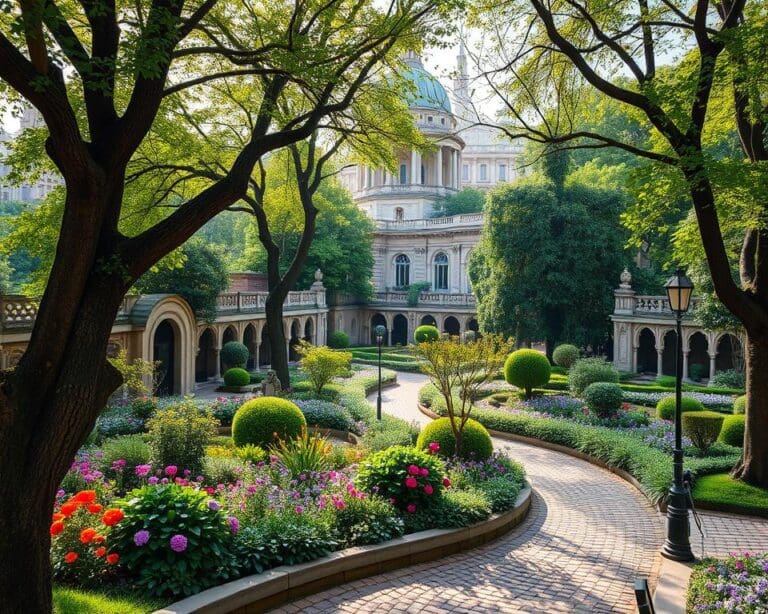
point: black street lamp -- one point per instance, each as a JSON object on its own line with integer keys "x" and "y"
{"x": 380, "y": 331}
{"x": 677, "y": 546}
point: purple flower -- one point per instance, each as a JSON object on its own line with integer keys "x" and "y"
{"x": 178, "y": 543}
{"x": 141, "y": 537}
{"x": 214, "y": 505}
{"x": 152, "y": 481}
{"x": 234, "y": 524}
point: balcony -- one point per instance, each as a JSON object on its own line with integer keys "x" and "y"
{"x": 405, "y": 189}
{"x": 629, "y": 303}
{"x": 255, "y": 302}
{"x": 426, "y": 299}
{"x": 465, "y": 220}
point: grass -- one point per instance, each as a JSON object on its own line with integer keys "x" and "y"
{"x": 78, "y": 601}
{"x": 723, "y": 490}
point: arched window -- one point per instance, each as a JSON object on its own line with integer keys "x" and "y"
{"x": 402, "y": 270}
{"x": 441, "y": 272}
{"x": 399, "y": 214}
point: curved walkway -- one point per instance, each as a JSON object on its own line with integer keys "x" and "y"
{"x": 587, "y": 537}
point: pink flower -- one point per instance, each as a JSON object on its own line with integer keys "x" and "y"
{"x": 411, "y": 482}
{"x": 152, "y": 481}
{"x": 171, "y": 470}
{"x": 299, "y": 509}
{"x": 424, "y": 471}
{"x": 434, "y": 447}
{"x": 413, "y": 470}
{"x": 392, "y": 500}
{"x": 143, "y": 470}
{"x": 428, "y": 489}
{"x": 411, "y": 508}
{"x": 446, "y": 482}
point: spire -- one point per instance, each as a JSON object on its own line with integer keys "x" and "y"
{"x": 461, "y": 82}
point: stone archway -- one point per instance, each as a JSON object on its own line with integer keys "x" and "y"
{"x": 668, "y": 357}
{"x": 728, "y": 354}
{"x": 473, "y": 325}
{"x": 309, "y": 331}
{"x": 205, "y": 362}
{"x": 229, "y": 334}
{"x": 400, "y": 330}
{"x": 249, "y": 341}
{"x": 698, "y": 355}
{"x": 428, "y": 320}
{"x": 165, "y": 351}
{"x": 294, "y": 339}
{"x": 379, "y": 320}
{"x": 451, "y": 326}
{"x": 647, "y": 356}
{"x": 265, "y": 350}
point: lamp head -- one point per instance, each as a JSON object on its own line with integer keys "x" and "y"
{"x": 679, "y": 289}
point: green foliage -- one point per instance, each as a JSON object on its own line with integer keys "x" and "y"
{"x": 696, "y": 371}
{"x": 200, "y": 277}
{"x": 390, "y": 431}
{"x": 732, "y": 432}
{"x": 69, "y": 600}
{"x": 501, "y": 492}
{"x": 723, "y": 489}
{"x": 475, "y": 441}
{"x": 235, "y": 355}
{"x": 527, "y": 369}
{"x": 322, "y": 364}
{"x": 236, "y": 378}
{"x": 251, "y": 454}
{"x": 304, "y": 454}
{"x": 667, "y": 381}
{"x": 603, "y": 398}
{"x": 397, "y": 474}
{"x": 740, "y": 405}
{"x": 455, "y": 509}
{"x": 414, "y": 292}
{"x": 166, "y": 512}
{"x": 143, "y": 408}
{"x": 426, "y": 333}
{"x": 327, "y": 415}
{"x": 565, "y": 355}
{"x": 468, "y": 200}
{"x": 221, "y": 470}
{"x": 179, "y": 433}
{"x": 338, "y": 340}
{"x": 129, "y": 448}
{"x": 732, "y": 378}
{"x": 665, "y": 408}
{"x": 368, "y": 520}
{"x": 702, "y": 427}
{"x": 587, "y": 371}
{"x": 265, "y": 420}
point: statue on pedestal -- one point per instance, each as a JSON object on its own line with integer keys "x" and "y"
{"x": 271, "y": 385}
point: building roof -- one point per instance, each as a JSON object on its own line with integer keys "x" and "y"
{"x": 428, "y": 92}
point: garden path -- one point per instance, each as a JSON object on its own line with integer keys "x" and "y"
{"x": 588, "y": 536}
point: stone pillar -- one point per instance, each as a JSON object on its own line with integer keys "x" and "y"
{"x": 659, "y": 361}
{"x": 256, "y": 357}
{"x": 685, "y": 364}
{"x": 415, "y": 167}
{"x": 456, "y": 175}
{"x": 439, "y": 176}
{"x": 635, "y": 349}
{"x": 217, "y": 356}
{"x": 712, "y": 358}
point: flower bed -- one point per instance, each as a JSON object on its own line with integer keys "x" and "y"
{"x": 738, "y": 584}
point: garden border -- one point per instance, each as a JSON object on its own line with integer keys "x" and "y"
{"x": 272, "y": 588}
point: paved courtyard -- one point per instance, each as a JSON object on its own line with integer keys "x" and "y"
{"x": 587, "y": 537}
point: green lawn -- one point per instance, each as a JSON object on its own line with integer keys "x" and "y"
{"x": 722, "y": 489}
{"x": 77, "y": 601}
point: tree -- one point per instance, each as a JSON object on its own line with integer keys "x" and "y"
{"x": 199, "y": 277}
{"x": 723, "y": 49}
{"x": 322, "y": 363}
{"x": 458, "y": 370}
{"x": 469, "y": 200}
{"x": 112, "y": 84}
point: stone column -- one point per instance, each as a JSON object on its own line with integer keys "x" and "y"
{"x": 439, "y": 176}
{"x": 635, "y": 349}
{"x": 659, "y": 361}
{"x": 685, "y": 363}
{"x": 256, "y": 357}
{"x": 415, "y": 167}
{"x": 217, "y": 356}
{"x": 712, "y": 358}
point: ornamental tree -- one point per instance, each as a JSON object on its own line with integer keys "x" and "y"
{"x": 322, "y": 364}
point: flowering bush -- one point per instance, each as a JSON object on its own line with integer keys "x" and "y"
{"x": 224, "y": 408}
{"x": 738, "y": 584}
{"x": 175, "y": 540}
{"x": 84, "y": 474}
{"x": 475, "y": 440}
{"x": 327, "y": 415}
{"x": 367, "y": 520}
{"x": 178, "y": 435}
{"x": 408, "y": 477}
{"x": 79, "y": 548}
{"x": 499, "y": 478}
{"x": 713, "y": 401}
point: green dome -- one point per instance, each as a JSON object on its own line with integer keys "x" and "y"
{"x": 427, "y": 92}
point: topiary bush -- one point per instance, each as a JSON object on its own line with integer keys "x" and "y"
{"x": 603, "y": 398}
{"x": 665, "y": 408}
{"x": 527, "y": 369}
{"x": 476, "y": 443}
{"x": 732, "y": 431}
{"x": 586, "y": 371}
{"x": 426, "y": 333}
{"x": 234, "y": 354}
{"x": 702, "y": 427}
{"x": 263, "y": 421}
{"x": 740, "y": 405}
{"x": 236, "y": 378}
{"x": 178, "y": 435}
{"x": 338, "y": 340}
{"x": 565, "y": 355}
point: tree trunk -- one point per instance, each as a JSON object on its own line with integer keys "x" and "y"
{"x": 753, "y": 467}
{"x": 277, "y": 340}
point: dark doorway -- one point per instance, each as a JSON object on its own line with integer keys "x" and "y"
{"x": 249, "y": 341}
{"x": 265, "y": 351}
{"x": 647, "y": 357}
{"x": 428, "y": 320}
{"x": 378, "y": 320}
{"x": 452, "y": 326}
{"x": 400, "y": 330}
{"x": 205, "y": 363}
{"x": 698, "y": 356}
{"x": 164, "y": 351}
{"x": 670, "y": 351}
{"x": 728, "y": 354}
{"x": 473, "y": 325}
{"x": 293, "y": 355}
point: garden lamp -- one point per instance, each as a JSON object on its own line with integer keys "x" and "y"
{"x": 380, "y": 332}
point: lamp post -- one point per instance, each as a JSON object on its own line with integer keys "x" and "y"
{"x": 380, "y": 331}
{"x": 677, "y": 545}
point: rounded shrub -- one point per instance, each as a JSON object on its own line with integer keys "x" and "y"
{"x": 527, "y": 369}
{"x": 732, "y": 432}
{"x": 263, "y": 421}
{"x": 234, "y": 354}
{"x": 586, "y": 371}
{"x": 475, "y": 441}
{"x": 665, "y": 408}
{"x": 740, "y": 404}
{"x": 702, "y": 427}
{"x": 236, "y": 378}
{"x": 565, "y": 355}
{"x": 603, "y": 398}
{"x": 426, "y": 333}
{"x": 338, "y": 340}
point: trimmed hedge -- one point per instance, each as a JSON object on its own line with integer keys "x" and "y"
{"x": 263, "y": 421}
{"x": 409, "y": 367}
{"x": 732, "y": 432}
{"x": 665, "y": 408}
{"x": 603, "y": 398}
{"x": 565, "y": 355}
{"x": 527, "y": 369}
{"x": 740, "y": 405}
{"x": 425, "y": 333}
{"x": 338, "y": 340}
{"x": 234, "y": 354}
{"x": 476, "y": 443}
{"x": 590, "y": 370}
{"x": 236, "y": 378}
{"x": 702, "y": 427}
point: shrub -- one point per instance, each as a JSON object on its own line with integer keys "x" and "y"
{"x": 221, "y": 470}
{"x": 732, "y": 431}
{"x": 121, "y": 455}
{"x": 501, "y": 492}
{"x": 586, "y": 371}
{"x": 368, "y": 520}
{"x": 702, "y": 427}
{"x": 143, "y": 408}
{"x": 667, "y": 381}
{"x": 236, "y": 377}
{"x": 118, "y": 424}
{"x": 305, "y": 454}
{"x": 180, "y": 552}
{"x": 178, "y": 435}
{"x": 338, "y": 340}
{"x": 603, "y": 398}
{"x": 223, "y": 409}
{"x": 470, "y": 336}
{"x": 251, "y": 454}
{"x": 565, "y": 355}
{"x": 263, "y": 421}
{"x": 476, "y": 442}
{"x": 390, "y": 431}
{"x": 455, "y": 509}
{"x": 322, "y": 364}
{"x": 740, "y": 404}
{"x": 426, "y": 333}
{"x": 696, "y": 371}
{"x": 326, "y": 415}
{"x": 235, "y": 354}
{"x": 665, "y": 408}
{"x": 405, "y": 476}
{"x": 727, "y": 379}
{"x": 527, "y": 369}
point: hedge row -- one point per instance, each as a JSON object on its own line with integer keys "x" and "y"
{"x": 410, "y": 367}
{"x": 384, "y": 356}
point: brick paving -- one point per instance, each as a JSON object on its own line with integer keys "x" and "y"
{"x": 587, "y": 537}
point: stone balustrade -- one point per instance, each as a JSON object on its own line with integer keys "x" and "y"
{"x": 465, "y": 220}
{"x": 425, "y": 298}
{"x": 630, "y": 303}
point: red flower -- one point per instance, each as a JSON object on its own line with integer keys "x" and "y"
{"x": 424, "y": 471}
{"x": 411, "y": 482}
{"x": 446, "y": 482}
{"x": 95, "y": 508}
{"x": 411, "y": 508}
{"x": 434, "y": 447}
{"x": 100, "y": 551}
{"x": 58, "y": 516}
{"x": 413, "y": 470}
{"x": 112, "y": 516}
{"x": 56, "y": 528}
{"x": 70, "y": 557}
{"x": 69, "y": 508}
{"x": 113, "y": 558}
{"x": 428, "y": 489}
{"x": 85, "y": 496}
{"x": 99, "y": 539}
{"x": 87, "y": 535}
